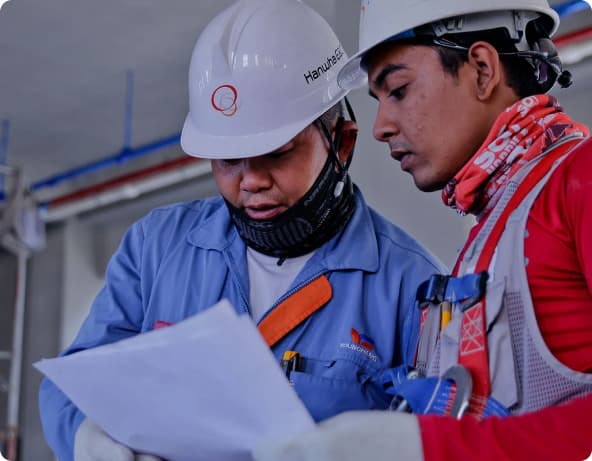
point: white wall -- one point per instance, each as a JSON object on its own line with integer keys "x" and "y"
{"x": 94, "y": 237}
{"x": 81, "y": 280}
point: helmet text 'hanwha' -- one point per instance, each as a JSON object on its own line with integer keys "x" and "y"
{"x": 331, "y": 61}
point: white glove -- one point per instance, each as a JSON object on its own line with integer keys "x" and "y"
{"x": 351, "y": 436}
{"x": 91, "y": 443}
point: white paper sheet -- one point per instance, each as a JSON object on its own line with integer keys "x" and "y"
{"x": 207, "y": 388}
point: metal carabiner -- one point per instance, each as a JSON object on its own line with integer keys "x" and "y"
{"x": 461, "y": 377}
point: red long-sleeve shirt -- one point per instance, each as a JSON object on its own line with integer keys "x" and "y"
{"x": 559, "y": 433}
{"x": 558, "y": 248}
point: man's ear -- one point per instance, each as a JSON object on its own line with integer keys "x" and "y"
{"x": 484, "y": 59}
{"x": 349, "y": 134}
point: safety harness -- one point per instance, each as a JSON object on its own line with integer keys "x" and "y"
{"x": 466, "y": 386}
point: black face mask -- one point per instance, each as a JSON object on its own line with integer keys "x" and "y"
{"x": 318, "y": 216}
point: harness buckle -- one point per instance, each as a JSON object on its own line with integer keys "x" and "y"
{"x": 465, "y": 291}
{"x": 478, "y": 285}
{"x": 432, "y": 290}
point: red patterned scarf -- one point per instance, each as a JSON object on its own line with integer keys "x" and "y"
{"x": 519, "y": 134}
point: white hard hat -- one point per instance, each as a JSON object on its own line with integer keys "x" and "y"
{"x": 261, "y": 71}
{"x": 382, "y": 20}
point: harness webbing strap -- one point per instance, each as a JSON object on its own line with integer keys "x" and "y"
{"x": 472, "y": 353}
{"x": 531, "y": 180}
{"x": 295, "y": 309}
{"x": 473, "y": 339}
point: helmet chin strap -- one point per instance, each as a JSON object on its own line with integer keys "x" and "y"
{"x": 335, "y": 145}
{"x": 317, "y": 217}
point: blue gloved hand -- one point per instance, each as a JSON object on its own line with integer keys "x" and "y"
{"x": 351, "y": 436}
{"x": 91, "y": 443}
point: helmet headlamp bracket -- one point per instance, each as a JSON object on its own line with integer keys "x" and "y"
{"x": 543, "y": 57}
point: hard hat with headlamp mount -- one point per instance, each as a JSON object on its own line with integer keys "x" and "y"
{"x": 388, "y": 20}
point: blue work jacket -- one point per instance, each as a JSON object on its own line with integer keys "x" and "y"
{"x": 182, "y": 259}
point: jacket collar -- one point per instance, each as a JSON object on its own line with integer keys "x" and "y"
{"x": 355, "y": 247}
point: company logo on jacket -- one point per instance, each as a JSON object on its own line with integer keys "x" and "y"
{"x": 361, "y": 343}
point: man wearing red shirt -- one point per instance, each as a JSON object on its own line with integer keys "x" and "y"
{"x": 461, "y": 88}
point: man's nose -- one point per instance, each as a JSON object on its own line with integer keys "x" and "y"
{"x": 385, "y": 126}
{"x": 255, "y": 175}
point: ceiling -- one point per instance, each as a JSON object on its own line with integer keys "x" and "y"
{"x": 65, "y": 66}
{"x": 63, "y": 76}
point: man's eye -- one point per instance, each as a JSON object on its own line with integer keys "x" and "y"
{"x": 230, "y": 161}
{"x": 399, "y": 93}
{"x": 279, "y": 154}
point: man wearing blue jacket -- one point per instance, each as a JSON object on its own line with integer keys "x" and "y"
{"x": 291, "y": 242}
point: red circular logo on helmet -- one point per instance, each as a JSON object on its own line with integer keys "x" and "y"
{"x": 224, "y": 100}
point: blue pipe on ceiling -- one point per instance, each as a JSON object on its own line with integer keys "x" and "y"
{"x": 125, "y": 155}
{"x": 127, "y": 152}
{"x": 571, "y": 7}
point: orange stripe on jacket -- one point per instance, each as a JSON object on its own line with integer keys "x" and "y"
{"x": 295, "y": 309}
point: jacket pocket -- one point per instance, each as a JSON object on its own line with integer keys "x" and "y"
{"x": 341, "y": 385}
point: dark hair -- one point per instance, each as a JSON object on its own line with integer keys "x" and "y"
{"x": 519, "y": 72}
